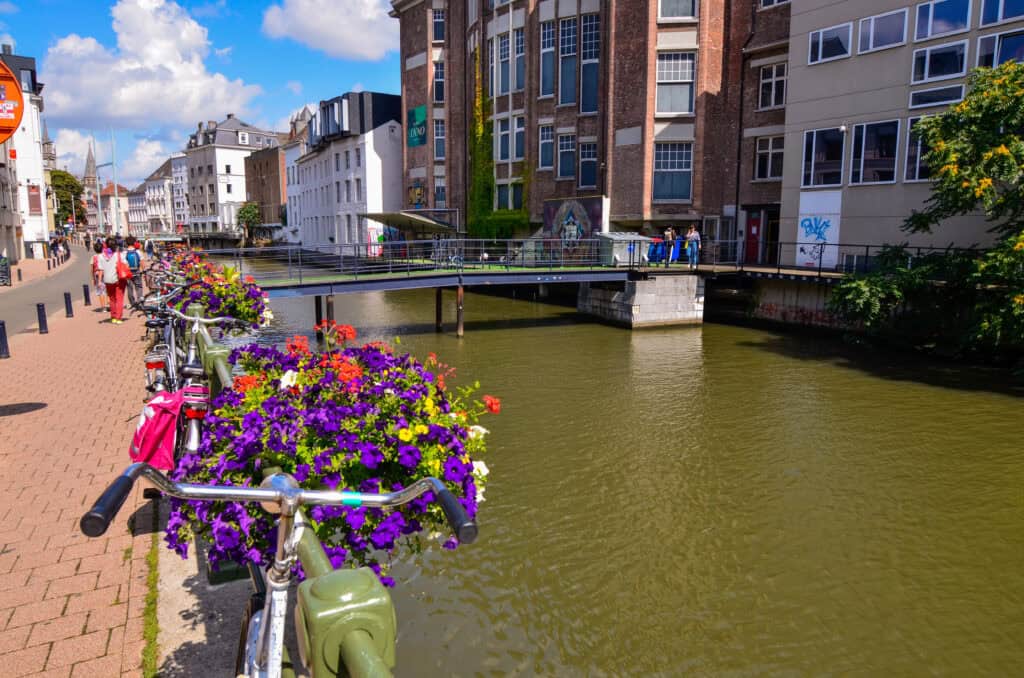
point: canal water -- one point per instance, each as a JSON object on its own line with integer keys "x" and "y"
{"x": 712, "y": 500}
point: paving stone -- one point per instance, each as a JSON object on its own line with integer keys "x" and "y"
{"x": 82, "y": 648}
{"x": 24, "y": 662}
{"x": 67, "y": 626}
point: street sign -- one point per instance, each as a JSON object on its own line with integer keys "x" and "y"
{"x": 12, "y": 104}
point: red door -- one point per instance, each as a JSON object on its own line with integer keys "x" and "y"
{"x": 752, "y": 247}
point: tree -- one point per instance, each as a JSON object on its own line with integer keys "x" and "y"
{"x": 977, "y": 153}
{"x": 249, "y": 217}
{"x": 68, "y": 190}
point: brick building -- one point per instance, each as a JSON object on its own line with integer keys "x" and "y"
{"x": 621, "y": 114}
{"x": 265, "y": 185}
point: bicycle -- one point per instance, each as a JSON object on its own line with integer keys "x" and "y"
{"x": 344, "y": 619}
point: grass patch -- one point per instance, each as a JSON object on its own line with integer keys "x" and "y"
{"x": 150, "y": 625}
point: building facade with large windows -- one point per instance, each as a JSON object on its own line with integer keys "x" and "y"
{"x": 603, "y": 113}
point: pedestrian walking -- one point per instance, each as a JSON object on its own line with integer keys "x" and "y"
{"x": 670, "y": 241}
{"x": 133, "y": 256}
{"x": 97, "y": 277}
{"x": 693, "y": 247}
{"x": 113, "y": 266}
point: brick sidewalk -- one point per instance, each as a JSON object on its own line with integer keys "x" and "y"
{"x": 35, "y": 269}
{"x": 70, "y": 606}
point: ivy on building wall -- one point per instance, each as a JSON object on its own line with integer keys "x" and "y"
{"x": 481, "y": 159}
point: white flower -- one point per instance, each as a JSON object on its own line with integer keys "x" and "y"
{"x": 289, "y": 379}
{"x": 480, "y": 469}
{"x": 476, "y": 431}
{"x": 389, "y": 391}
{"x": 479, "y": 494}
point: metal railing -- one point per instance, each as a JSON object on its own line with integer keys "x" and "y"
{"x": 826, "y": 259}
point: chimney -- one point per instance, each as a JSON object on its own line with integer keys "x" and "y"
{"x": 230, "y": 116}
{"x": 8, "y": 49}
{"x": 199, "y": 127}
{"x": 211, "y": 125}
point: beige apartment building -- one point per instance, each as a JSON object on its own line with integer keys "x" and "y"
{"x": 860, "y": 75}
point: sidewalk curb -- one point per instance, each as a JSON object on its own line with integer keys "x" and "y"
{"x": 49, "y": 274}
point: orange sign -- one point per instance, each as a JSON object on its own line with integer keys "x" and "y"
{"x": 12, "y": 103}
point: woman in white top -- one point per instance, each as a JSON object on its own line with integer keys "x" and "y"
{"x": 107, "y": 264}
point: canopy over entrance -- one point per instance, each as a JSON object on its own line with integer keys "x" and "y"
{"x": 425, "y": 222}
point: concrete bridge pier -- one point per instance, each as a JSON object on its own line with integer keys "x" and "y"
{"x": 655, "y": 302}
{"x": 459, "y": 299}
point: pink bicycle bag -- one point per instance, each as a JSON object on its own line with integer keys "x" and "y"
{"x": 154, "y": 437}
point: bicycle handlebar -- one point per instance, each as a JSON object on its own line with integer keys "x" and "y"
{"x": 221, "y": 320}
{"x": 277, "y": 489}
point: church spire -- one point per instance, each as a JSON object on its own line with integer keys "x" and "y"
{"x": 90, "y": 167}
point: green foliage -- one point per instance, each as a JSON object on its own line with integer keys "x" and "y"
{"x": 501, "y": 224}
{"x": 249, "y": 215}
{"x": 481, "y": 159}
{"x": 977, "y": 153}
{"x": 69, "y": 191}
{"x": 1000, "y": 277}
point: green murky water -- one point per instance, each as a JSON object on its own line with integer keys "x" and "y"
{"x": 713, "y": 500}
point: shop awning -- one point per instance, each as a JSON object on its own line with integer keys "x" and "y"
{"x": 414, "y": 221}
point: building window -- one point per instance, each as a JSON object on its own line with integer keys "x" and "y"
{"x": 773, "y": 3}
{"x": 823, "y": 157}
{"x": 490, "y": 68}
{"x": 566, "y": 156}
{"x": 883, "y": 31}
{"x": 673, "y": 171}
{"x": 348, "y": 190}
{"x": 675, "y": 82}
{"x": 501, "y": 197}
{"x": 227, "y": 187}
{"x": 504, "y": 57}
{"x": 677, "y": 9}
{"x": 504, "y": 132}
{"x": 917, "y": 149}
{"x": 590, "y": 51}
{"x": 519, "y": 139}
{"x": 773, "y": 86}
{"x": 439, "y": 140}
{"x": 440, "y": 193}
{"x": 567, "y": 62}
{"x": 519, "y": 37}
{"x": 769, "y": 158}
{"x": 359, "y": 157}
{"x": 546, "y": 155}
{"x": 227, "y": 169}
{"x": 936, "y": 97}
{"x": 941, "y": 62}
{"x": 829, "y": 44}
{"x": 348, "y": 165}
{"x": 26, "y": 80}
{"x": 359, "y": 190}
{"x": 209, "y": 169}
{"x": 547, "y": 58}
{"x": 438, "y": 25}
{"x": 874, "y": 152}
{"x": 337, "y": 192}
{"x": 337, "y": 162}
{"x": 588, "y": 165}
{"x": 438, "y": 84}
{"x": 243, "y": 138}
{"x": 942, "y": 17}
{"x": 994, "y": 50}
{"x": 994, "y": 11}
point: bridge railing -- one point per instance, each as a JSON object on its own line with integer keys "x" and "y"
{"x": 822, "y": 258}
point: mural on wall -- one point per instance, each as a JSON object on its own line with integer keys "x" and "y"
{"x": 818, "y": 229}
{"x": 417, "y": 126}
{"x": 572, "y": 219}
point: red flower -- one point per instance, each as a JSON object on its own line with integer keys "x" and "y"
{"x": 492, "y": 404}
{"x": 249, "y": 279}
{"x": 298, "y": 344}
{"x": 245, "y": 382}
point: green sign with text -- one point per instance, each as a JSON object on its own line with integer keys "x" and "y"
{"x": 417, "y": 126}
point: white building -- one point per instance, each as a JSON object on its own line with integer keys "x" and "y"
{"x": 294, "y": 148}
{"x": 28, "y": 149}
{"x": 159, "y": 209}
{"x": 353, "y": 167}
{"x": 179, "y": 190}
{"x": 137, "y": 210}
{"x": 216, "y": 172}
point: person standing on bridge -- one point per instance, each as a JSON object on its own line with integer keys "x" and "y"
{"x": 693, "y": 247}
{"x": 670, "y": 243}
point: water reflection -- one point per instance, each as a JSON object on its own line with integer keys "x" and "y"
{"x": 709, "y": 500}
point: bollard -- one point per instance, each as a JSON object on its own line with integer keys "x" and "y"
{"x": 85, "y": 295}
{"x": 41, "y": 315}
{"x": 48, "y": 264}
{"x": 19, "y": 275}
{"x": 5, "y": 351}
{"x": 68, "y": 311}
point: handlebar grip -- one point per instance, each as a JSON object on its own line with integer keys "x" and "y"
{"x": 96, "y": 521}
{"x": 464, "y": 528}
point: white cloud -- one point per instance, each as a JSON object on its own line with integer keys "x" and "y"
{"x": 211, "y": 10}
{"x": 294, "y": 86}
{"x": 155, "y": 76}
{"x": 73, "y": 145}
{"x": 223, "y": 52}
{"x": 143, "y": 161}
{"x": 8, "y": 8}
{"x": 132, "y": 168}
{"x": 353, "y": 29}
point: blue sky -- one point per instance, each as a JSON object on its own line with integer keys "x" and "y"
{"x": 151, "y": 69}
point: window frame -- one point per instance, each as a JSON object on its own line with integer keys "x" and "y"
{"x": 927, "y": 50}
{"x": 895, "y": 157}
{"x": 584, "y": 61}
{"x": 563, "y": 54}
{"x": 518, "y": 148}
{"x": 911, "y": 106}
{"x": 931, "y": 20}
{"x": 540, "y": 147}
{"x": 518, "y": 43}
{"x": 810, "y": 41}
{"x": 906, "y": 154}
{"x": 654, "y": 171}
{"x": 438, "y": 70}
{"x": 590, "y": 145}
{"x": 1000, "y": 20}
{"x": 441, "y": 183}
{"x": 905, "y": 11}
{"x": 558, "y": 157}
{"x": 679, "y": 19}
{"x": 814, "y": 147}
{"x": 503, "y": 64}
{"x": 692, "y": 54}
{"x": 434, "y": 23}
{"x": 506, "y": 133}
{"x": 769, "y": 4}
{"x": 442, "y": 138}
{"x": 770, "y": 153}
{"x": 551, "y": 40}
{"x": 775, "y": 81}
{"x": 997, "y": 37}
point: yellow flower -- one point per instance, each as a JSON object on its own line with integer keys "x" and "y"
{"x": 983, "y": 185}
{"x": 405, "y": 435}
{"x": 428, "y": 403}
{"x": 1019, "y": 247}
{"x": 950, "y": 169}
{"x": 1019, "y": 300}
{"x": 1001, "y": 150}
{"x": 421, "y": 429}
